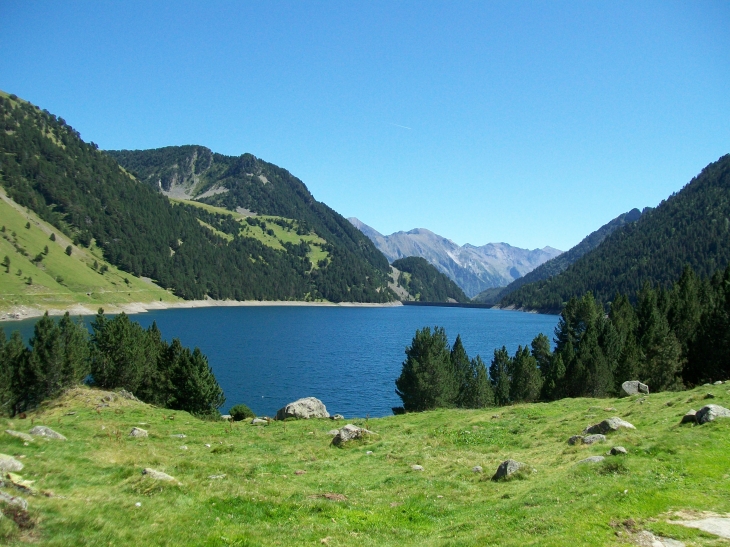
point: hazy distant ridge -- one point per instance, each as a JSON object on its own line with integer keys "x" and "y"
{"x": 473, "y": 268}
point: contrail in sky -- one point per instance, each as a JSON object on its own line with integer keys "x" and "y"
{"x": 403, "y": 126}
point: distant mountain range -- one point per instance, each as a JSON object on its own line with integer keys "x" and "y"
{"x": 560, "y": 263}
{"x": 472, "y": 268}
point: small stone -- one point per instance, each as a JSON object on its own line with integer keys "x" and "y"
{"x": 226, "y": 417}
{"x": 575, "y": 439}
{"x": 618, "y": 451}
{"x": 369, "y": 453}
{"x": 439, "y": 496}
{"x": 597, "y": 438}
{"x": 690, "y": 417}
{"x": 507, "y": 468}
{"x": 217, "y": 477}
{"x": 718, "y": 383}
{"x": 592, "y": 459}
{"x": 259, "y": 421}
{"x": 333, "y": 432}
{"x": 477, "y": 469}
{"x": 300, "y": 472}
{"x": 337, "y": 417}
{"x": 137, "y": 432}
{"x": 417, "y": 467}
{"x": 183, "y": 447}
{"x": 138, "y": 504}
{"x": 606, "y": 426}
{"x": 47, "y": 432}
{"x": 157, "y": 475}
{"x": 711, "y": 412}
{"x": 20, "y": 435}
{"x": 179, "y": 436}
{"x": 207, "y": 445}
{"x": 709, "y": 396}
{"x": 9, "y": 464}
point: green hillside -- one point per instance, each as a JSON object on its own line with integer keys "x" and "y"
{"x": 425, "y": 283}
{"x": 197, "y": 253}
{"x": 39, "y": 279}
{"x": 285, "y": 484}
{"x": 691, "y": 227}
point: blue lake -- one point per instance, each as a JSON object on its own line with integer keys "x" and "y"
{"x": 349, "y": 358}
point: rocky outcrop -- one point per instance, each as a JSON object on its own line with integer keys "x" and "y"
{"x": 303, "y": 409}
{"x": 632, "y": 387}
{"x": 608, "y": 426}
{"x": 47, "y": 432}
{"x": 711, "y": 412}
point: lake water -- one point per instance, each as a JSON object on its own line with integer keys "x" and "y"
{"x": 349, "y": 358}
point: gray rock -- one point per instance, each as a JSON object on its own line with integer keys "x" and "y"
{"x": 226, "y": 417}
{"x": 632, "y": 387}
{"x": 718, "y": 383}
{"x": 349, "y": 433}
{"x": 157, "y": 475}
{"x": 137, "y": 432}
{"x": 259, "y": 421}
{"x": 592, "y": 459}
{"x": 308, "y": 407}
{"x": 618, "y": 451}
{"x": 20, "y": 435}
{"x": 217, "y": 477}
{"x": 477, "y": 469}
{"x": 417, "y": 467}
{"x": 333, "y": 432}
{"x": 606, "y": 426}
{"x": 179, "y": 436}
{"x": 647, "y": 539}
{"x": 711, "y": 412}
{"x": 709, "y": 396}
{"x": 508, "y": 468}
{"x": 15, "y": 501}
{"x": 575, "y": 439}
{"x": 690, "y": 417}
{"x": 717, "y": 526}
{"x": 592, "y": 439}
{"x": 337, "y": 417}
{"x": 127, "y": 395}
{"x": 47, "y": 432}
{"x": 8, "y": 464}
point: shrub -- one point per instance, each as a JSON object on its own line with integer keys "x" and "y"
{"x": 241, "y": 412}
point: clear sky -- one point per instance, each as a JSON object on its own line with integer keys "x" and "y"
{"x": 531, "y": 123}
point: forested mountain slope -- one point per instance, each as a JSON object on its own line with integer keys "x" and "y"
{"x": 691, "y": 227}
{"x": 560, "y": 263}
{"x": 425, "y": 283}
{"x": 83, "y": 192}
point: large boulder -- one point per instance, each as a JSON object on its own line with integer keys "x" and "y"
{"x": 710, "y": 412}
{"x": 349, "y": 433}
{"x": 47, "y": 432}
{"x": 632, "y": 387}
{"x": 8, "y": 464}
{"x": 508, "y": 468}
{"x": 308, "y": 407}
{"x": 607, "y": 426}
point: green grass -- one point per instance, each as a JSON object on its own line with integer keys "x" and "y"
{"x": 281, "y": 235}
{"x": 93, "y": 481}
{"x": 59, "y": 280}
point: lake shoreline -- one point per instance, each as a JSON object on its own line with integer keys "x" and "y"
{"x": 19, "y": 313}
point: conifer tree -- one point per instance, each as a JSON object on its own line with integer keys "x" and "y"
{"x": 499, "y": 376}
{"x": 525, "y": 378}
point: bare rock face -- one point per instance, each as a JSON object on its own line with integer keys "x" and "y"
{"x": 137, "y": 432}
{"x": 508, "y": 468}
{"x": 632, "y": 387}
{"x": 607, "y": 426}
{"x": 47, "y": 432}
{"x": 308, "y": 407}
{"x": 349, "y": 433}
{"x": 8, "y": 464}
{"x": 711, "y": 412}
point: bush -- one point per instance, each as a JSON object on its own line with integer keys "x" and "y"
{"x": 241, "y": 412}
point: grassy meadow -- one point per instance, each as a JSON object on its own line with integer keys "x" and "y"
{"x": 58, "y": 280}
{"x": 285, "y": 484}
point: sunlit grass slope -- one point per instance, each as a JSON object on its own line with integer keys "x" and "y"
{"x": 284, "y": 484}
{"x": 281, "y": 235}
{"x": 58, "y": 280}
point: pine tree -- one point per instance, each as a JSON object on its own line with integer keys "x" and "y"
{"x": 499, "y": 376}
{"x": 526, "y": 380}
{"x": 462, "y": 371}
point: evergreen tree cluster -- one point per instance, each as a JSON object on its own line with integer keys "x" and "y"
{"x": 84, "y": 193}
{"x": 690, "y": 227}
{"x": 118, "y": 354}
{"x": 424, "y": 282}
{"x": 669, "y": 339}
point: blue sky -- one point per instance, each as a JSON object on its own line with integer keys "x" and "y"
{"x": 531, "y": 123}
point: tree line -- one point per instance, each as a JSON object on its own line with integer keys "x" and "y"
{"x": 668, "y": 339}
{"x": 118, "y": 353}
